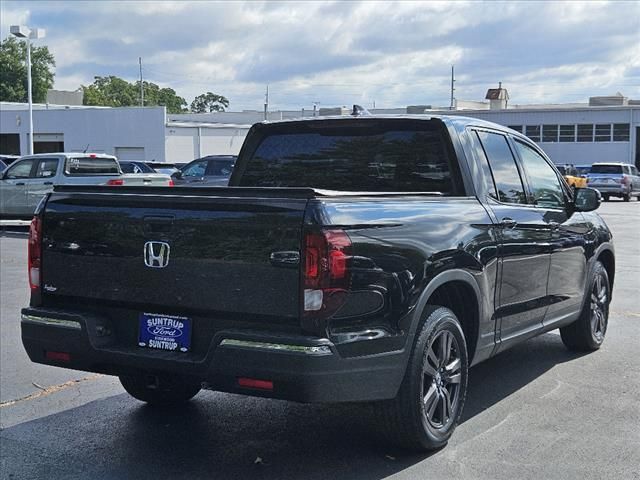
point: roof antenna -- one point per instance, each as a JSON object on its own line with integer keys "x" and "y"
{"x": 359, "y": 111}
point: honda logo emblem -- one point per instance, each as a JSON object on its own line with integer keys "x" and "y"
{"x": 156, "y": 254}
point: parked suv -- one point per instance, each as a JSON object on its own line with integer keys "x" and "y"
{"x": 210, "y": 171}
{"x": 615, "y": 180}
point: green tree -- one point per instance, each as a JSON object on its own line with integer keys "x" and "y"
{"x": 13, "y": 71}
{"x": 209, "y": 102}
{"x": 113, "y": 91}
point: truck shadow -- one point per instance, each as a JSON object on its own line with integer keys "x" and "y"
{"x": 230, "y": 436}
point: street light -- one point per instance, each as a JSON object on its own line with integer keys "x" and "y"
{"x": 20, "y": 31}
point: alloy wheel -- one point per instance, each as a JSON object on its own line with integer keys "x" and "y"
{"x": 442, "y": 374}
{"x": 599, "y": 307}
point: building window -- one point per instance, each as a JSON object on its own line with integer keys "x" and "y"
{"x": 550, "y": 133}
{"x": 533, "y": 132}
{"x": 517, "y": 128}
{"x": 603, "y": 132}
{"x": 567, "y": 133}
{"x": 585, "y": 132}
{"x": 621, "y": 132}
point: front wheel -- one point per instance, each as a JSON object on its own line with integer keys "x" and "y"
{"x": 159, "y": 390}
{"x": 429, "y": 403}
{"x": 588, "y": 331}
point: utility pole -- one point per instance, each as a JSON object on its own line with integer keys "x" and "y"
{"x": 141, "y": 85}
{"x": 453, "y": 89}
{"x": 266, "y": 103}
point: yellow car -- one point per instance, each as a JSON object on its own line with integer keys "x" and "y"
{"x": 571, "y": 175}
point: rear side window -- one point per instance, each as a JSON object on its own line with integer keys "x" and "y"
{"x": 503, "y": 167}
{"x": 80, "y": 166}
{"x": 47, "y": 168}
{"x": 606, "y": 169}
{"x": 367, "y": 156}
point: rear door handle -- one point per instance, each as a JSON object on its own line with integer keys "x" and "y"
{"x": 508, "y": 223}
{"x": 19, "y": 184}
{"x": 48, "y": 183}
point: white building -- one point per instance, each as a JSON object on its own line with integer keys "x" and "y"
{"x": 130, "y": 133}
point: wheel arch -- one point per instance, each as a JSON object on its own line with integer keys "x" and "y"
{"x": 458, "y": 291}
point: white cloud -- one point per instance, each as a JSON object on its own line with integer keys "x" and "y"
{"x": 395, "y": 53}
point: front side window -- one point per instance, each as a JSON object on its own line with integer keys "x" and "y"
{"x": 47, "y": 168}
{"x": 21, "y": 169}
{"x": 544, "y": 183}
{"x": 220, "y": 167}
{"x": 503, "y": 167}
{"x": 196, "y": 169}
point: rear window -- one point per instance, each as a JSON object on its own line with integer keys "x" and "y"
{"x": 135, "y": 167}
{"x": 366, "y": 156}
{"x": 606, "y": 169}
{"x": 91, "y": 166}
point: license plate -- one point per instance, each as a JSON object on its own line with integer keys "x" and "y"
{"x": 164, "y": 332}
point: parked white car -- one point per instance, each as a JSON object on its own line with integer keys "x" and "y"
{"x": 28, "y": 179}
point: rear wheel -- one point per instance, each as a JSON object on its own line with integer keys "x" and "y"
{"x": 159, "y": 390}
{"x": 606, "y": 198}
{"x": 626, "y": 197}
{"x": 588, "y": 331}
{"x": 429, "y": 403}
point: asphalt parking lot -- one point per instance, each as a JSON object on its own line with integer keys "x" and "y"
{"x": 536, "y": 411}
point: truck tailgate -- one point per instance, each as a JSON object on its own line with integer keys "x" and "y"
{"x": 216, "y": 251}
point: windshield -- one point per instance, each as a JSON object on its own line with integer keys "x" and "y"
{"x": 92, "y": 166}
{"x": 606, "y": 169}
{"x": 412, "y": 158}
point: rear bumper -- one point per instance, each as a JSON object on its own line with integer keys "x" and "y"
{"x": 611, "y": 189}
{"x": 304, "y": 369}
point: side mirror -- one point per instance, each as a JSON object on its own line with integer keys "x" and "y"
{"x": 177, "y": 175}
{"x": 587, "y": 199}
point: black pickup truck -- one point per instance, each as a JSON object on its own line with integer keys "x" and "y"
{"x": 357, "y": 259}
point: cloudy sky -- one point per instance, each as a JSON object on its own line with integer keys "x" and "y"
{"x": 339, "y": 53}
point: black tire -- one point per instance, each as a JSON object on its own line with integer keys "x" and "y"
{"x": 626, "y": 197}
{"x": 417, "y": 419}
{"x": 606, "y": 198}
{"x": 159, "y": 390}
{"x": 587, "y": 333}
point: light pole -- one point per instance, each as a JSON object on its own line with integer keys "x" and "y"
{"x": 20, "y": 31}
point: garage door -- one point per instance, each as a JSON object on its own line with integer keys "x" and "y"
{"x": 130, "y": 153}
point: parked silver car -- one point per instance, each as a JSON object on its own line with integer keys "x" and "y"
{"x": 28, "y": 179}
{"x": 615, "y": 180}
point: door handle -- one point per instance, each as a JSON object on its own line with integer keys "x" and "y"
{"x": 508, "y": 223}
{"x": 48, "y": 183}
{"x": 19, "y": 184}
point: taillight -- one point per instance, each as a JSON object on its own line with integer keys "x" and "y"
{"x": 326, "y": 275}
{"x": 115, "y": 182}
{"x": 171, "y": 184}
{"x": 624, "y": 180}
{"x": 35, "y": 253}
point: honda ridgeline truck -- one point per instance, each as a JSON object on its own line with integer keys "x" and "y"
{"x": 353, "y": 259}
